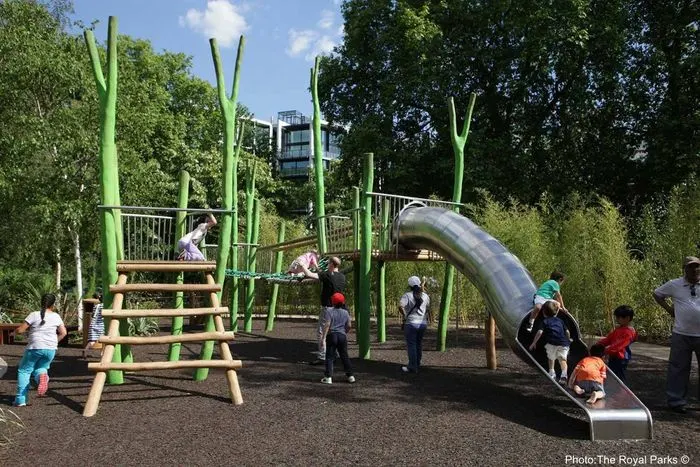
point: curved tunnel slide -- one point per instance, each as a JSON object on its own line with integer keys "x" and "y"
{"x": 508, "y": 290}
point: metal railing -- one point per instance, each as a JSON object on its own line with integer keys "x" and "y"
{"x": 340, "y": 230}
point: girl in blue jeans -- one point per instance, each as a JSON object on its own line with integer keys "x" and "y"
{"x": 414, "y": 310}
{"x": 45, "y": 330}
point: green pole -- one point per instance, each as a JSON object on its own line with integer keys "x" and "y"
{"x": 228, "y": 109}
{"x": 233, "y": 311}
{"x": 249, "y": 227}
{"x": 381, "y": 276}
{"x": 356, "y": 249}
{"x": 250, "y": 290}
{"x": 272, "y": 306}
{"x": 320, "y": 209}
{"x": 109, "y": 175}
{"x": 180, "y": 216}
{"x": 365, "y": 254}
{"x": 458, "y": 143}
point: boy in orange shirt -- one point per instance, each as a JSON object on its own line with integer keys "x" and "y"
{"x": 589, "y": 375}
{"x": 617, "y": 343}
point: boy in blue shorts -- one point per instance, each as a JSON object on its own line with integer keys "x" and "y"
{"x": 549, "y": 290}
{"x": 557, "y": 340}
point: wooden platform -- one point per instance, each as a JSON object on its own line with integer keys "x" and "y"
{"x": 165, "y": 266}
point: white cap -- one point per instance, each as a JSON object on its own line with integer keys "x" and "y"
{"x": 413, "y": 281}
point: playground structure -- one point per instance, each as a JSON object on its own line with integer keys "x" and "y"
{"x": 406, "y": 228}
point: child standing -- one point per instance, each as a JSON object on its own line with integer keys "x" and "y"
{"x": 46, "y": 329}
{"x": 617, "y": 343}
{"x": 588, "y": 378}
{"x": 549, "y": 290}
{"x": 557, "y": 339}
{"x": 308, "y": 259}
{"x": 337, "y": 324}
{"x": 97, "y": 325}
{"x": 188, "y": 244}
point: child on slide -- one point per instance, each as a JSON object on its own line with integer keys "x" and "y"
{"x": 308, "y": 260}
{"x": 188, "y": 244}
{"x": 557, "y": 340}
{"x": 549, "y": 290}
{"x": 588, "y": 378}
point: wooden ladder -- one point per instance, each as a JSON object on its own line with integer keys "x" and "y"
{"x": 117, "y": 314}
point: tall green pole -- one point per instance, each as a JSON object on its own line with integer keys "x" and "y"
{"x": 228, "y": 110}
{"x": 356, "y": 248}
{"x": 249, "y": 228}
{"x": 364, "y": 303}
{"x": 250, "y": 290}
{"x": 233, "y": 311}
{"x": 180, "y": 216}
{"x": 381, "y": 276}
{"x": 109, "y": 167}
{"x": 320, "y": 209}
{"x": 459, "y": 140}
{"x": 272, "y": 306}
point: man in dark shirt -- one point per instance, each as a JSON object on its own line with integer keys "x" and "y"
{"x": 332, "y": 281}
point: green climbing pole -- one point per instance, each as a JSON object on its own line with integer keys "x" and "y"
{"x": 364, "y": 303}
{"x": 109, "y": 169}
{"x": 356, "y": 247}
{"x": 249, "y": 227}
{"x": 272, "y": 306}
{"x": 228, "y": 110}
{"x": 381, "y": 274}
{"x": 180, "y": 216}
{"x": 319, "y": 209}
{"x": 233, "y": 310}
{"x": 459, "y": 140}
{"x": 250, "y": 290}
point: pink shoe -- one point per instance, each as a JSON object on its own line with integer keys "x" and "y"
{"x": 43, "y": 384}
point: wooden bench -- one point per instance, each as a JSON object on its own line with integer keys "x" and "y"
{"x": 6, "y": 333}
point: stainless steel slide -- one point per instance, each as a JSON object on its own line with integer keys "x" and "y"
{"x": 508, "y": 290}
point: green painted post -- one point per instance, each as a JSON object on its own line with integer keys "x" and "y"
{"x": 381, "y": 276}
{"x": 180, "y": 216}
{"x": 365, "y": 255}
{"x": 458, "y": 143}
{"x": 233, "y": 311}
{"x": 320, "y": 209}
{"x": 109, "y": 168}
{"x": 250, "y": 290}
{"x": 272, "y": 306}
{"x": 356, "y": 248}
{"x": 228, "y": 110}
{"x": 249, "y": 228}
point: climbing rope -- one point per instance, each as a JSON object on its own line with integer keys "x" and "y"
{"x": 277, "y": 277}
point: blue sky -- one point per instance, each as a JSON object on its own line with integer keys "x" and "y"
{"x": 282, "y": 39}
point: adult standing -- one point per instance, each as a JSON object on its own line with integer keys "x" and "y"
{"x": 414, "y": 310}
{"x": 684, "y": 293}
{"x": 332, "y": 281}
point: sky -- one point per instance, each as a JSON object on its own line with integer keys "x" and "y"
{"x": 282, "y": 39}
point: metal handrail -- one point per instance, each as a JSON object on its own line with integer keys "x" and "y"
{"x": 151, "y": 208}
{"x": 411, "y": 198}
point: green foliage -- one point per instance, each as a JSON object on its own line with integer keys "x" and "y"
{"x": 143, "y": 326}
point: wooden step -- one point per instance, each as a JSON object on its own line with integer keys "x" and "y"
{"x": 144, "y": 366}
{"x": 164, "y": 288}
{"x": 165, "y": 312}
{"x": 165, "y": 266}
{"x": 189, "y": 337}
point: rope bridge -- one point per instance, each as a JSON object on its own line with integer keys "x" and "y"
{"x": 278, "y": 277}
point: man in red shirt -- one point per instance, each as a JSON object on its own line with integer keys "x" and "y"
{"x": 617, "y": 343}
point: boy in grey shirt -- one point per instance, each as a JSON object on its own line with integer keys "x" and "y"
{"x": 336, "y": 321}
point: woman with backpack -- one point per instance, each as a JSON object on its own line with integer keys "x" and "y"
{"x": 414, "y": 310}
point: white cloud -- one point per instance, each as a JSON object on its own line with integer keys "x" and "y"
{"x": 300, "y": 41}
{"x": 326, "y": 21}
{"x": 221, "y": 19}
{"x": 323, "y": 46}
{"x": 341, "y": 30}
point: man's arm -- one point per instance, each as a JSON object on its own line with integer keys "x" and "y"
{"x": 308, "y": 273}
{"x": 663, "y": 303}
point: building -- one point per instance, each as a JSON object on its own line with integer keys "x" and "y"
{"x": 292, "y": 135}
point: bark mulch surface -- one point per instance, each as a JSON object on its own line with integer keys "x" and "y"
{"x": 455, "y": 412}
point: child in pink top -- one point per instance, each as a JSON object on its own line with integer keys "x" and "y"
{"x": 308, "y": 259}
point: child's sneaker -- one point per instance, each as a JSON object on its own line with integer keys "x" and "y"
{"x": 15, "y": 404}
{"x": 552, "y": 375}
{"x": 327, "y": 380}
{"x": 351, "y": 379}
{"x": 43, "y": 384}
{"x": 563, "y": 380}
{"x": 530, "y": 325}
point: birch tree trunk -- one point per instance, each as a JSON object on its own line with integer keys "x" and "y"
{"x": 78, "y": 279}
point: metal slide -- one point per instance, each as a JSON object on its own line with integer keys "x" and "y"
{"x": 508, "y": 290}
